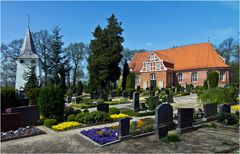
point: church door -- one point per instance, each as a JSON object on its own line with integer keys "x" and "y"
{"x": 153, "y": 81}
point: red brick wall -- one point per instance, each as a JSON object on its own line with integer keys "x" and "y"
{"x": 169, "y": 77}
{"x": 202, "y": 75}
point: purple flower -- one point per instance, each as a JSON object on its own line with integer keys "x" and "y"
{"x": 101, "y": 135}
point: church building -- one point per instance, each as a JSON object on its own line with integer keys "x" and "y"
{"x": 188, "y": 64}
{"x": 25, "y": 59}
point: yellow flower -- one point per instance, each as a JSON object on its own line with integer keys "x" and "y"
{"x": 65, "y": 125}
{"x": 118, "y": 116}
{"x": 235, "y": 107}
{"x": 140, "y": 123}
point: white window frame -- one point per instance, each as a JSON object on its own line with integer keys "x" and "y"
{"x": 222, "y": 75}
{"x": 180, "y": 78}
{"x": 153, "y": 76}
{"x": 194, "y": 77}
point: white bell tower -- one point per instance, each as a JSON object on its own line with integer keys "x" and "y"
{"x": 26, "y": 58}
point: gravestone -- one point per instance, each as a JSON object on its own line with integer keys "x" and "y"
{"x": 164, "y": 116}
{"x": 185, "y": 118}
{"x": 161, "y": 131}
{"x": 170, "y": 99}
{"x": 113, "y": 94}
{"x": 225, "y": 108}
{"x": 138, "y": 88}
{"x": 29, "y": 115}
{"x": 94, "y": 96}
{"x": 124, "y": 127}
{"x": 136, "y": 101}
{"x": 156, "y": 100}
{"x": 210, "y": 110}
{"x": 143, "y": 106}
{"x": 167, "y": 92}
{"x": 103, "y": 107}
{"x": 104, "y": 97}
{"x": 125, "y": 94}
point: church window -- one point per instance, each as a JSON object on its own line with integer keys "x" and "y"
{"x": 21, "y": 61}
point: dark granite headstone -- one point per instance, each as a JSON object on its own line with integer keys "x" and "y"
{"x": 138, "y": 88}
{"x": 225, "y": 108}
{"x": 143, "y": 106}
{"x": 125, "y": 94}
{"x": 210, "y": 110}
{"x": 29, "y": 115}
{"x": 104, "y": 97}
{"x": 103, "y": 107}
{"x": 185, "y": 117}
{"x": 164, "y": 115}
{"x": 136, "y": 101}
{"x": 124, "y": 127}
{"x": 155, "y": 100}
{"x": 161, "y": 131}
{"x": 170, "y": 99}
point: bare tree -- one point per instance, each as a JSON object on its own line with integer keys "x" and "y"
{"x": 9, "y": 53}
{"x": 76, "y": 52}
{"x": 42, "y": 41}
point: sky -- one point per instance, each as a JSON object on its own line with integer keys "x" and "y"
{"x": 147, "y": 25}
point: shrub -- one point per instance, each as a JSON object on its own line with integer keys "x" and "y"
{"x": 217, "y": 95}
{"x": 213, "y": 79}
{"x": 227, "y": 118}
{"x": 79, "y": 88}
{"x": 172, "y": 138}
{"x": 79, "y": 100}
{"x": 68, "y": 111}
{"x": 8, "y": 97}
{"x": 51, "y": 102}
{"x": 130, "y": 81}
{"x": 150, "y": 103}
{"x": 77, "y": 111}
{"x": 79, "y": 117}
{"x": 32, "y": 95}
{"x": 205, "y": 84}
{"x": 113, "y": 110}
{"x": 130, "y": 92}
{"x": 49, "y": 122}
{"x": 164, "y": 98}
{"x": 86, "y": 111}
{"x": 71, "y": 117}
{"x": 128, "y": 112}
{"x": 100, "y": 116}
{"x": 65, "y": 125}
{"x": 212, "y": 125}
{"x": 42, "y": 119}
{"x": 100, "y": 101}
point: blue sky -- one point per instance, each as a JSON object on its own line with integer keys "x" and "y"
{"x": 149, "y": 25}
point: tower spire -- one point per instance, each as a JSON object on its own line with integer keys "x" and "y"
{"x": 28, "y": 21}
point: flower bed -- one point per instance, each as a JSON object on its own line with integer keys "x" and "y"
{"x": 20, "y": 133}
{"x": 101, "y": 135}
{"x": 235, "y": 108}
{"x": 118, "y": 116}
{"x": 65, "y": 125}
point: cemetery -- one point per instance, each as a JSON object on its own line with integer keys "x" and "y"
{"x": 101, "y": 97}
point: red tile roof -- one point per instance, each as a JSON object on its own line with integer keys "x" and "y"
{"x": 194, "y": 56}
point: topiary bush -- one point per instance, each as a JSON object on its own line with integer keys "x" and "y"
{"x": 213, "y": 78}
{"x": 130, "y": 81}
{"x": 49, "y": 122}
{"x": 86, "y": 111}
{"x": 71, "y": 117}
{"x": 113, "y": 110}
{"x": 205, "y": 84}
{"x": 51, "y": 102}
{"x": 8, "y": 97}
{"x": 79, "y": 88}
{"x": 227, "y": 118}
{"x": 150, "y": 103}
{"x": 32, "y": 95}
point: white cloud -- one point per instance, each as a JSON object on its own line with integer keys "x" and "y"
{"x": 149, "y": 44}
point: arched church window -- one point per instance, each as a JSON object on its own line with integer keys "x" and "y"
{"x": 21, "y": 61}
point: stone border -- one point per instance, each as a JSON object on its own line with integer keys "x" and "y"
{"x": 143, "y": 135}
{"x": 95, "y": 143}
{"x": 19, "y": 137}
